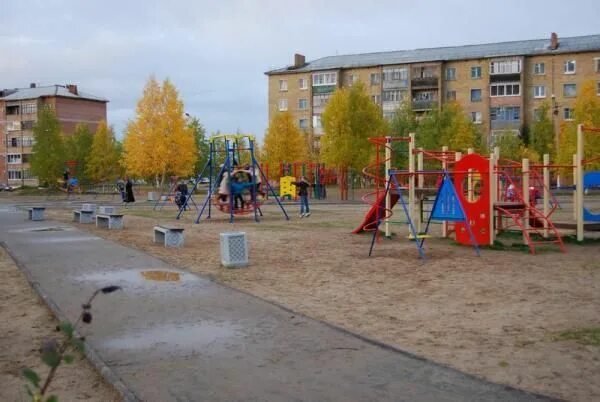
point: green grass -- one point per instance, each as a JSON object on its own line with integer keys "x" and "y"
{"x": 583, "y": 336}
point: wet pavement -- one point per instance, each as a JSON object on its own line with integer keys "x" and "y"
{"x": 173, "y": 336}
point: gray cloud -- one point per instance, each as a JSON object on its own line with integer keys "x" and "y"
{"x": 216, "y": 52}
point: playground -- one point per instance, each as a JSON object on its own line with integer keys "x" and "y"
{"x": 493, "y": 287}
{"x": 497, "y": 316}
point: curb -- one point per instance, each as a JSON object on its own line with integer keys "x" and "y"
{"x": 92, "y": 356}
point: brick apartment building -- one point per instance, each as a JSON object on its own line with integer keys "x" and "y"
{"x": 499, "y": 85}
{"x": 18, "y": 114}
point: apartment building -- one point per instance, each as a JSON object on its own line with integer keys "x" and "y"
{"x": 500, "y": 85}
{"x": 18, "y": 115}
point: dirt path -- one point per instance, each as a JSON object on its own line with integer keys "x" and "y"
{"x": 26, "y": 322}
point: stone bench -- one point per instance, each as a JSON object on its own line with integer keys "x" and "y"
{"x": 169, "y": 236}
{"x": 83, "y": 216}
{"x": 109, "y": 221}
{"x": 35, "y": 213}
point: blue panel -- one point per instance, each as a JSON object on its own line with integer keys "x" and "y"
{"x": 447, "y": 205}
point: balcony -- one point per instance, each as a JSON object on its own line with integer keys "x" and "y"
{"x": 505, "y": 124}
{"x": 395, "y": 84}
{"x": 421, "y": 105}
{"x": 323, "y": 89}
{"x": 424, "y": 82}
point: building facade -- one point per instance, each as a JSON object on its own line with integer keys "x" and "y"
{"x": 500, "y": 85}
{"x": 18, "y": 115}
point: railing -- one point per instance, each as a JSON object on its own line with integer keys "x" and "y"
{"x": 505, "y": 124}
{"x": 424, "y": 82}
{"x": 423, "y": 104}
{"x": 394, "y": 84}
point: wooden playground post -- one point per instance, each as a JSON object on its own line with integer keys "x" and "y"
{"x": 575, "y": 184}
{"x": 579, "y": 183}
{"x": 411, "y": 176}
{"x": 546, "y": 171}
{"x": 525, "y": 172}
{"x": 493, "y": 195}
{"x": 420, "y": 184}
{"x": 388, "y": 197}
{"x": 444, "y": 168}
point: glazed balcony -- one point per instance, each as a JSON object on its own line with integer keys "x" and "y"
{"x": 424, "y": 82}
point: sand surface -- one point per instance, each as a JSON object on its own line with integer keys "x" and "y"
{"x": 26, "y": 323}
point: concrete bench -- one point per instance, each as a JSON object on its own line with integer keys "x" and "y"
{"x": 109, "y": 221}
{"x": 35, "y": 213}
{"x": 169, "y": 236}
{"x": 83, "y": 216}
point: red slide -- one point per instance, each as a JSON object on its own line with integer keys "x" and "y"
{"x": 371, "y": 217}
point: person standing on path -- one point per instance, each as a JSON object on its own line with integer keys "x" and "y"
{"x": 302, "y": 185}
{"x": 129, "y": 191}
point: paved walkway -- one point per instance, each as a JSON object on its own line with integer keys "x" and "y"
{"x": 174, "y": 336}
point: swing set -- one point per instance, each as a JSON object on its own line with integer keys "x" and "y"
{"x": 225, "y": 152}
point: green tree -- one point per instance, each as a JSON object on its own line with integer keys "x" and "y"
{"x": 587, "y": 112}
{"x": 202, "y": 144}
{"x": 284, "y": 142}
{"x": 159, "y": 143}
{"x": 103, "y": 160}
{"x": 511, "y": 146}
{"x": 78, "y": 148}
{"x": 542, "y": 132}
{"x": 48, "y": 159}
{"x": 403, "y": 123}
{"x": 349, "y": 119}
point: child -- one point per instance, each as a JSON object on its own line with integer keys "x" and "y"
{"x": 303, "y": 186}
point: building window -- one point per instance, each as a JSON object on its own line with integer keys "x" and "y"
{"x": 283, "y": 105}
{"x": 303, "y": 124}
{"x": 539, "y": 69}
{"x": 597, "y": 64}
{"x": 569, "y": 90}
{"x": 598, "y": 88}
{"x": 321, "y": 100}
{"x": 476, "y": 117}
{"x": 475, "y": 95}
{"x": 451, "y": 95}
{"x": 303, "y": 83}
{"x": 14, "y": 175}
{"x": 317, "y": 121}
{"x": 389, "y": 116}
{"x": 505, "y": 67}
{"x": 30, "y": 108}
{"x": 351, "y": 79}
{"x": 450, "y": 74}
{"x": 27, "y": 174}
{"x": 505, "y": 89}
{"x": 570, "y": 67}
{"x": 375, "y": 78}
{"x": 14, "y": 142}
{"x": 568, "y": 113}
{"x": 539, "y": 91}
{"x": 13, "y": 126}
{"x": 505, "y": 113}
{"x": 395, "y": 74}
{"x": 537, "y": 115}
{"x": 12, "y": 110}
{"x": 28, "y": 141}
{"x": 302, "y": 104}
{"x": 475, "y": 72}
{"x": 324, "y": 79}
{"x": 376, "y": 99}
{"x": 394, "y": 95}
{"x": 28, "y": 124}
{"x": 13, "y": 158}
{"x": 283, "y": 85}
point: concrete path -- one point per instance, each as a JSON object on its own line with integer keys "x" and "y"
{"x": 174, "y": 336}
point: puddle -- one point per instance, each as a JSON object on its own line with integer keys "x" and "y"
{"x": 139, "y": 277}
{"x": 161, "y": 276}
{"x": 42, "y": 229}
{"x": 71, "y": 239}
{"x": 175, "y": 336}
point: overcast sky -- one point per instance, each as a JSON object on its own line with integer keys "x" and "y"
{"x": 216, "y": 52}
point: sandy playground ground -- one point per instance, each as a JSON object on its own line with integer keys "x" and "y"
{"x": 497, "y": 316}
{"x": 26, "y": 323}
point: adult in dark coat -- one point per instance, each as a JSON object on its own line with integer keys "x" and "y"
{"x": 129, "y": 190}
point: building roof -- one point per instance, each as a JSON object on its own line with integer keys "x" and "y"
{"x": 516, "y": 48}
{"x": 51, "y": 90}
